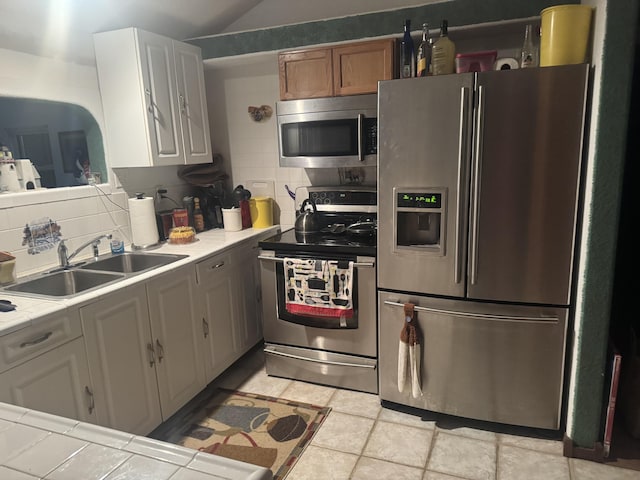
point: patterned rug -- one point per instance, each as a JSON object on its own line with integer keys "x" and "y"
{"x": 266, "y": 431}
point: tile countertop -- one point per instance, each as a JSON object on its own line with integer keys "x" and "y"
{"x": 36, "y": 445}
{"x": 31, "y": 309}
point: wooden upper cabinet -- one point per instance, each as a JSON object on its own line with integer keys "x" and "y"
{"x": 358, "y": 67}
{"x": 348, "y": 69}
{"x": 305, "y": 74}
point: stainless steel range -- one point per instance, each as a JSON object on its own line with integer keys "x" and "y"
{"x": 319, "y": 293}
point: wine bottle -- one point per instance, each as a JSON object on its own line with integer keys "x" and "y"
{"x": 423, "y": 61}
{"x": 529, "y": 53}
{"x": 443, "y": 52}
{"x": 198, "y": 217}
{"x": 407, "y": 53}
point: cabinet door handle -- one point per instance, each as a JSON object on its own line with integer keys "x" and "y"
{"x": 92, "y": 401}
{"x": 217, "y": 265}
{"x": 148, "y": 93}
{"x": 205, "y": 327}
{"x": 152, "y": 354}
{"x": 37, "y": 340}
{"x": 183, "y": 104}
{"x": 160, "y": 351}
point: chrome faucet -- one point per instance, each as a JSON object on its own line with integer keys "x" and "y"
{"x": 63, "y": 251}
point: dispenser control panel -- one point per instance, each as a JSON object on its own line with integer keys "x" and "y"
{"x": 419, "y": 200}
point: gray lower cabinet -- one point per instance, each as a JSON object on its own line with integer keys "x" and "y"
{"x": 133, "y": 357}
{"x": 44, "y": 367}
{"x": 177, "y": 344}
{"x": 119, "y": 348}
{"x": 143, "y": 345}
{"x": 218, "y": 311}
{"x": 229, "y": 293}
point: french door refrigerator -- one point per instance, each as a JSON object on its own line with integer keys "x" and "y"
{"x": 478, "y": 194}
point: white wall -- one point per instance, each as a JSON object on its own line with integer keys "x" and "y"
{"x": 250, "y": 149}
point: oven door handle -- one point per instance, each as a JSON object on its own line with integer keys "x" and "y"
{"x": 271, "y": 351}
{"x": 355, "y": 264}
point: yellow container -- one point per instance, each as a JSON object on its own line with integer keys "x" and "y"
{"x": 564, "y": 34}
{"x": 261, "y": 212}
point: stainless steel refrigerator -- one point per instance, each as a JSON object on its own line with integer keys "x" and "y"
{"x": 478, "y": 193}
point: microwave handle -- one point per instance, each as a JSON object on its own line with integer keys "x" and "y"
{"x": 360, "y": 127}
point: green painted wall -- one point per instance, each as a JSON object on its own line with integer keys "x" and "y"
{"x": 608, "y": 165}
{"x": 616, "y": 67}
{"x": 458, "y": 12}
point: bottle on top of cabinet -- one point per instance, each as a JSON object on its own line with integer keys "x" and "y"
{"x": 407, "y": 53}
{"x": 423, "y": 62}
{"x": 529, "y": 53}
{"x": 443, "y": 52}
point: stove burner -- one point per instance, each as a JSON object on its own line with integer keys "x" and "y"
{"x": 342, "y": 231}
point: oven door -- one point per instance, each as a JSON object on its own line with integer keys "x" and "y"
{"x": 355, "y": 335}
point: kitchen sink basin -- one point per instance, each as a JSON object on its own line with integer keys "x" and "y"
{"x": 132, "y": 262}
{"x": 64, "y": 283}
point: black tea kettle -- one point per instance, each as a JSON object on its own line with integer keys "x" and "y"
{"x": 308, "y": 221}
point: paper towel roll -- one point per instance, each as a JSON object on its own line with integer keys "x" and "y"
{"x": 142, "y": 215}
{"x": 506, "y": 64}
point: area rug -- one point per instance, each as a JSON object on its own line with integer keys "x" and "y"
{"x": 265, "y": 431}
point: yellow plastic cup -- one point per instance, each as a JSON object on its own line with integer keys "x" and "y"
{"x": 564, "y": 34}
{"x": 261, "y": 212}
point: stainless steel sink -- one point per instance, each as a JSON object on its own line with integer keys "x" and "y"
{"x": 64, "y": 283}
{"x": 132, "y": 262}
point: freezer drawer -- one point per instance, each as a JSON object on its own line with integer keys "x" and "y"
{"x": 339, "y": 370}
{"x": 499, "y": 363}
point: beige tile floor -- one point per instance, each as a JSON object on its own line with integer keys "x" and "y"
{"x": 362, "y": 440}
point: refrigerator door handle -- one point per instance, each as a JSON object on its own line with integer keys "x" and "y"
{"x": 481, "y": 316}
{"x": 360, "y": 126}
{"x": 462, "y": 155}
{"x": 475, "y": 204}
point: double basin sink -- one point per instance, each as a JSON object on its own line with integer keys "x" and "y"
{"x": 91, "y": 275}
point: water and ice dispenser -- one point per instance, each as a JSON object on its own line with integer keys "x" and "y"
{"x": 419, "y": 220}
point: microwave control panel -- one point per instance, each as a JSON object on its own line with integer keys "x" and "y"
{"x": 370, "y": 133}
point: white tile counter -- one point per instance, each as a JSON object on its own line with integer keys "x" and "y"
{"x": 32, "y": 308}
{"x": 36, "y": 445}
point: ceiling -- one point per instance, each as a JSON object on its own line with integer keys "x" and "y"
{"x": 63, "y": 28}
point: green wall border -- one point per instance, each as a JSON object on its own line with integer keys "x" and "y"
{"x": 458, "y": 13}
{"x": 608, "y": 163}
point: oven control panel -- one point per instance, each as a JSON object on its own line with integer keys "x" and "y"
{"x": 340, "y": 199}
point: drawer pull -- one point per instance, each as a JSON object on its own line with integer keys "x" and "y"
{"x": 270, "y": 351}
{"x": 92, "y": 401}
{"x": 480, "y": 316}
{"x": 217, "y": 265}
{"x": 35, "y": 341}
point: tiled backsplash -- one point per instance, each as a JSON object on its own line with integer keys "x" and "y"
{"x": 81, "y": 212}
{"x": 249, "y": 148}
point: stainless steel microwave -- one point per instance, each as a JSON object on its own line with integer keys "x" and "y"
{"x": 328, "y": 132}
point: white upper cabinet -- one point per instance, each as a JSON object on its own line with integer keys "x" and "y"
{"x": 154, "y": 99}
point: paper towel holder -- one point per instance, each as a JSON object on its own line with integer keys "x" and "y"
{"x": 145, "y": 246}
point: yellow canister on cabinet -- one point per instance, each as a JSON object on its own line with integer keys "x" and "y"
{"x": 261, "y": 212}
{"x": 564, "y": 34}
